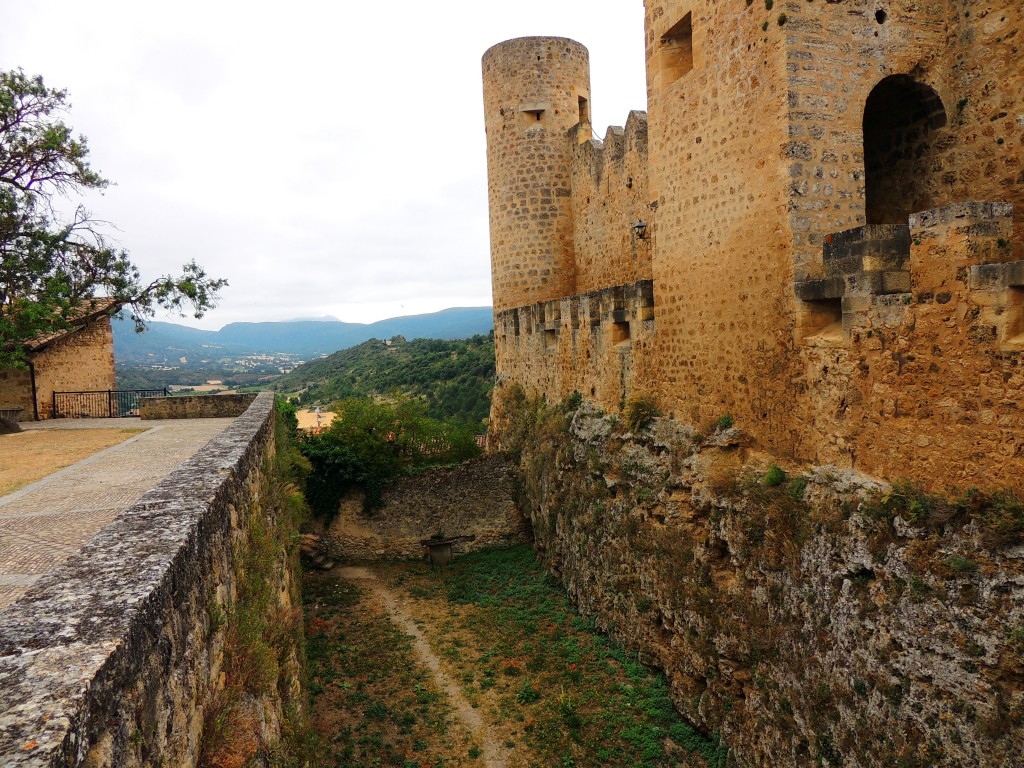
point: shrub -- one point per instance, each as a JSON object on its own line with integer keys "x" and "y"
{"x": 639, "y": 412}
{"x": 961, "y": 565}
{"x": 572, "y": 402}
{"x": 725, "y": 422}
{"x": 775, "y": 476}
{"x": 527, "y": 694}
{"x": 369, "y": 445}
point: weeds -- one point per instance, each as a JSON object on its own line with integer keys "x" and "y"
{"x": 372, "y": 703}
{"x": 580, "y": 695}
{"x": 999, "y": 515}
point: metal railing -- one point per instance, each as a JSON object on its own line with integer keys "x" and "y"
{"x": 101, "y": 404}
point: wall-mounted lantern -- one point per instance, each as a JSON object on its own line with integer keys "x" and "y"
{"x": 640, "y": 229}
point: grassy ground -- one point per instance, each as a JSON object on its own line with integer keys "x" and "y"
{"x": 552, "y": 691}
{"x": 32, "y": 455}
{"x": 373, "y": 704}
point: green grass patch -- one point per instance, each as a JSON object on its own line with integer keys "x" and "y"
{"x": 589, "y": 699}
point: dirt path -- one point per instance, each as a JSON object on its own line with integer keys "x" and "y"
{"x": 494, "y": 754}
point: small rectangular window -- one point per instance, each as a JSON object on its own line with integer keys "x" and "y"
{"x": 675, "y": 54}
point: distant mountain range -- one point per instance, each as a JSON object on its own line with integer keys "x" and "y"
{"x": 304, "y": 339}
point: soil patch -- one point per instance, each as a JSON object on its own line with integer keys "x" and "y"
{"x": 32, "y": 455}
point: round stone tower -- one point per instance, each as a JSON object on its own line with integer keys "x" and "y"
{"x": 535, "y": 90}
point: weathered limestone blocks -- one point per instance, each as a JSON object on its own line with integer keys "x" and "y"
{"x": 195, "y": 406}
{"x": 112, "y": 659}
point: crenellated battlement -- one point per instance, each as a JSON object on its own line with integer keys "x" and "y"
{"x": 583, "y": 343}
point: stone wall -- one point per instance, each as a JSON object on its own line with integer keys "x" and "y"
{"x": 718, "y": 140}
{"x": 474, "y": 498}
{"x": 16, "y": 391}
{"x": 774, "y": 131}
{"x": 924, "y": 377}
{"x": 816, "y": 619}
{"x": 194, "y": 406}
{"x": 117, "y": 657}
{"x": 609, "y": 194}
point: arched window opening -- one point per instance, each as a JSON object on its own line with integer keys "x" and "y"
{"x": 901, "y": 118}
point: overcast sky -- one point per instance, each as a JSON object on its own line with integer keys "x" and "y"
{"x": 328, "y": 158}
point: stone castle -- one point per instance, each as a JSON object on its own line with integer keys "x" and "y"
{"x": 829, "y": 190}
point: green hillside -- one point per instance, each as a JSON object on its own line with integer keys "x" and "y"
{"x": 453, "y": 377}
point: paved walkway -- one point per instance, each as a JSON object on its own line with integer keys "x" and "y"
{"x": 44, "y": 523}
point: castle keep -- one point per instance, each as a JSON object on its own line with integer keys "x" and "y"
{"x": 833, "y": 192}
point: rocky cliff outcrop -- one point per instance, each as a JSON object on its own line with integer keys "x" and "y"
{"x": 815, "y": 617}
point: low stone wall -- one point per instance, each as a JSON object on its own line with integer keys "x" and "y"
{"x": 473, "y": 498}
{"x": 195, "y": 406}
{"x": 116, "y": 658}
{"x": 816, "y": 619}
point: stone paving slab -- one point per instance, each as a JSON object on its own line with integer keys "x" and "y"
{"x": 44, "y": 523}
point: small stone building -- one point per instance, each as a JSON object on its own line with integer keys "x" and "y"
{"x": 77, "y": 359}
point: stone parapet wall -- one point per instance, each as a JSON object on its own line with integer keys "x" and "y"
{"x": 116, "y": 657}
{"x": 195, "y": 406}
{"x": 476, "y": 498}
{"x": 815, "y": 619}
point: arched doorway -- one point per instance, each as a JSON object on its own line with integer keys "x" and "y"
{"x": 901, "y": 117}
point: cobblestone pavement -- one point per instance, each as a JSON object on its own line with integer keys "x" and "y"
{"x": 44, "y": 523}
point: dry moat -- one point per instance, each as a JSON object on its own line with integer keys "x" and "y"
{"x": 483, "y": 664}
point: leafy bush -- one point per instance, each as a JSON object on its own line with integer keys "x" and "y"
{"x": 572, "y": 402}
{"x": 725, "y": 422}
{"x": 369, "y": 445}
{"x": 775, "y": 476}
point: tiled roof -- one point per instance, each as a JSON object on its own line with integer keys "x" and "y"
{"x": 90, "y": 310}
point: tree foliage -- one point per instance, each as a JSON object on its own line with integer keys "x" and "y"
{"x": 370, "y": 444}
{"x": 452, "y": 377}
{"x": 54, "y": 265}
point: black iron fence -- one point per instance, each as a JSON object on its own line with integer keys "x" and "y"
{"x": 101, "y": 404}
